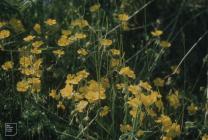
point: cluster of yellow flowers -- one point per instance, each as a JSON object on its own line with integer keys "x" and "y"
{"x": 163, "y": 43}
{"x": 81, "y": 23}
{"x": 91, "y": 92}
{"x": 141, "y": 99}
{"x": 170, "y": 129}
{"x": 31, "y": 68}
{"x": 31, "y": 63}
{"x": 142, "y": 94}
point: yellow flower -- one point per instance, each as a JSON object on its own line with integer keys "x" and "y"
{"x": 72, "y": 79}
{"x": 50, "y": 22}
{"x": 123, "y": 17}
{"x": 37, "y": 28}
{"x": 106, "y": 42}
{"x": 75, "y": 79}
{"x": 64, "y": 41}
{"x": 157, "y": 33}
{"x": 22, "y": 86}
{"x": 158, "y": 82}
{"x": 94, "y": 92}
{"x": 154, "y": 96}
{"x": 105, "y": 110}
{"x": 37, "y": 63}
{"x": 53, "y": 94}
{"x": 146, "y": 101}
{"x": 80, "y": 23}
{"x": 126, "y": 71}
{"x": 133, "y": 112}
{"x": 115, "y": 52}
{"x": 78, "y": 96}
{"x": 145, "y": 85}
{"x": 205, "y": 137}
{"x": 135, "y": 102}
{"x": 82, "y": 74}
{"x": 95, "y": 7}
{"x": 35, "y": 84}
{"x": 173, "y": 130}
{"x": 29, "y": 38}
{"x": 151, "y": 112}
{"x": 26, "y": 61}
{"x": 192, "y": 109}
{"x": 80, "y": 36}
{"x": 67, "y": 91}
{"x": 159, "y": 105}
{"x": 37, "y": 44}
{"x": 58, "y": 53}
{"x": 81, "y": 106}
{"x": 8, "y": 65}
{"x": 66, "y": 32}
{"x": 27, "y": 71}
{"x": 4, "y": 34}
{"x": 82, "y": 52}
{"x": 165, "y": 121}
{"x": 36, "y": 51}
{"x": 165, "y": 44}
{"x": 134, "y": 89}
{"x": 115, "y": 62}
{"x": 125, "y": 128}
{"x": 174, "y": 100}
{"x": 61, "y": 105}
{"x": 140, "y": 133}
{"x": 120, "y": 86}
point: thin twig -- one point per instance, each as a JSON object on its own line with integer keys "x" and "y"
{"x": 186, "y": 55}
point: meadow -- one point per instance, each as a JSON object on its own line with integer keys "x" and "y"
{"x": 104, "y": 69}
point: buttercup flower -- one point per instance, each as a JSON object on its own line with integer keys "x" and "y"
{"x": 8, "y": 65}
{"x": 81, "y": 106}
{"x": 123, "y": 17}
{"x": 29, "y": 38}
{"x": 95, "y": 7}
{"x": 80, "y": 23}
{"x": 165, "y": 44}
{"x": 22, "y": 86}
{"x": 58, "y": 53}
{"x": 4, "y": 34}
{"x": 61, "y": 105}
{"x": 104, "y": 111}
{"x": 106, "y": 42}
{"x": 50, "y": 22}
{"x": 37, "y": 28}
{"x": 67, "y": 91}
{"x": 126, "y": 71}
{"x": 157, "y": 33}
{"x": 82, "y": 52}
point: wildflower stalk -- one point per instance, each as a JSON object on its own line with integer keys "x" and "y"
{"x": 206, "y": 104}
